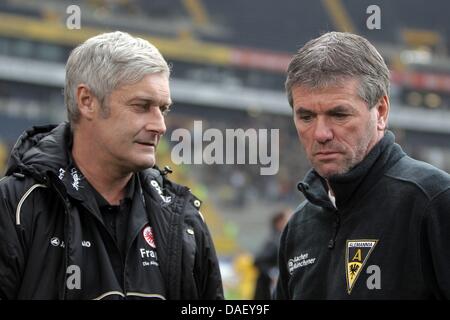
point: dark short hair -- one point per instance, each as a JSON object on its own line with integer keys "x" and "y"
{"x": 335, "y": 57}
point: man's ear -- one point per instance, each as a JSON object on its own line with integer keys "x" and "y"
{"x": 382, "y": 113}
{"x": 86, "y": 102}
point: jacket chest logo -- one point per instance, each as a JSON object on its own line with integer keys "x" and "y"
{"x": 356, "y": 255}
{"x": 148, "y": 236}
{"x": 301, "y": 261}
{"x": 149, "y": 257}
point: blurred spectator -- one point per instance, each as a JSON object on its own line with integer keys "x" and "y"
{"x": 237, "y": 181}
{"x": 266, "y": 261}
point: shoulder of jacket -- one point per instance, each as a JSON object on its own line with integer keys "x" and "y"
{"x": 301, "y": 206}
{"x": 425, "y": 177}
{"x": 157, "y": 178}
{"x": 16, "y": 189}
{"x": 304, "y": 210}
{"x": 194, "y": 208}
{"x": 16, "y": 185}
{"x": 165, "y": 187}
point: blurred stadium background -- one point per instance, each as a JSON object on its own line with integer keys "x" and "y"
{"x": 229, "y": 59}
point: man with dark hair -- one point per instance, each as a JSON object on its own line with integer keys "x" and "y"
{"x": 267, "y": 258}
{"x": 84, "y": 211}
{"x": 375, "y": 222}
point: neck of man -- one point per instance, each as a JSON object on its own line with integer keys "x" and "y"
{"x": 109, "y": 180}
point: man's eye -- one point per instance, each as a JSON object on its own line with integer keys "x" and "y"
{"x": 340, "y": 115}
{"x": 141, "y": 106}
{"x": 306, "y": 118}
{"x": 164, "y": 110}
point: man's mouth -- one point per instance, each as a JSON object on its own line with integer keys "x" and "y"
{"x": 325, "y": 153}
{"x": 145, "y": 143}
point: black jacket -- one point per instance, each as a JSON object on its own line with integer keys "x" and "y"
{"x": 50, "y": 234}
{"x": 388, "y": 238}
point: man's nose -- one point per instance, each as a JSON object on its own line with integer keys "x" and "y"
{"x": 156, "y": 121}
{"x": 322, "y": 131}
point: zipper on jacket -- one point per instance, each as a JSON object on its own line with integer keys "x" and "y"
{"x": 336, "y": 225}
{"x": 66, "y": 205}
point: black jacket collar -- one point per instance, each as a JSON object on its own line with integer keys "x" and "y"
{"x": 40, "y": 150}
{"x": 357, "y": 181}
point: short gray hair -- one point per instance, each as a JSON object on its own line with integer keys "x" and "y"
{"x": 334, "y": 57}
{"x": 106, "y": 62}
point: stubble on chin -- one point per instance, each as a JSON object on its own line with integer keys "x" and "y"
{"x": 343, "y": 166}
{"x": 351, "y": 161}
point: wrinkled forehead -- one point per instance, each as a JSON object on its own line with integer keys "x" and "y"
{"x": 154, "y": 86}
{"x": 323, "y": 83}
{"x": 345, "y": 87}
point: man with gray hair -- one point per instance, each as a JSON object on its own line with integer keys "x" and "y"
{"x": 375, "y": 222}
{"x": 84, "y": 212}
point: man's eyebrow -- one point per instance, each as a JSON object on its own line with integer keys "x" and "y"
{"x": 148, "y": 99}
{"x": 340, "y": 109}
{"x": 303, "y": 110}
{"x": 140, "y": 98}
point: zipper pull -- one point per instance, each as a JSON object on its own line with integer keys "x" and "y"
{"x": 337, "y": 223}
{"x": 331, "y": 243}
